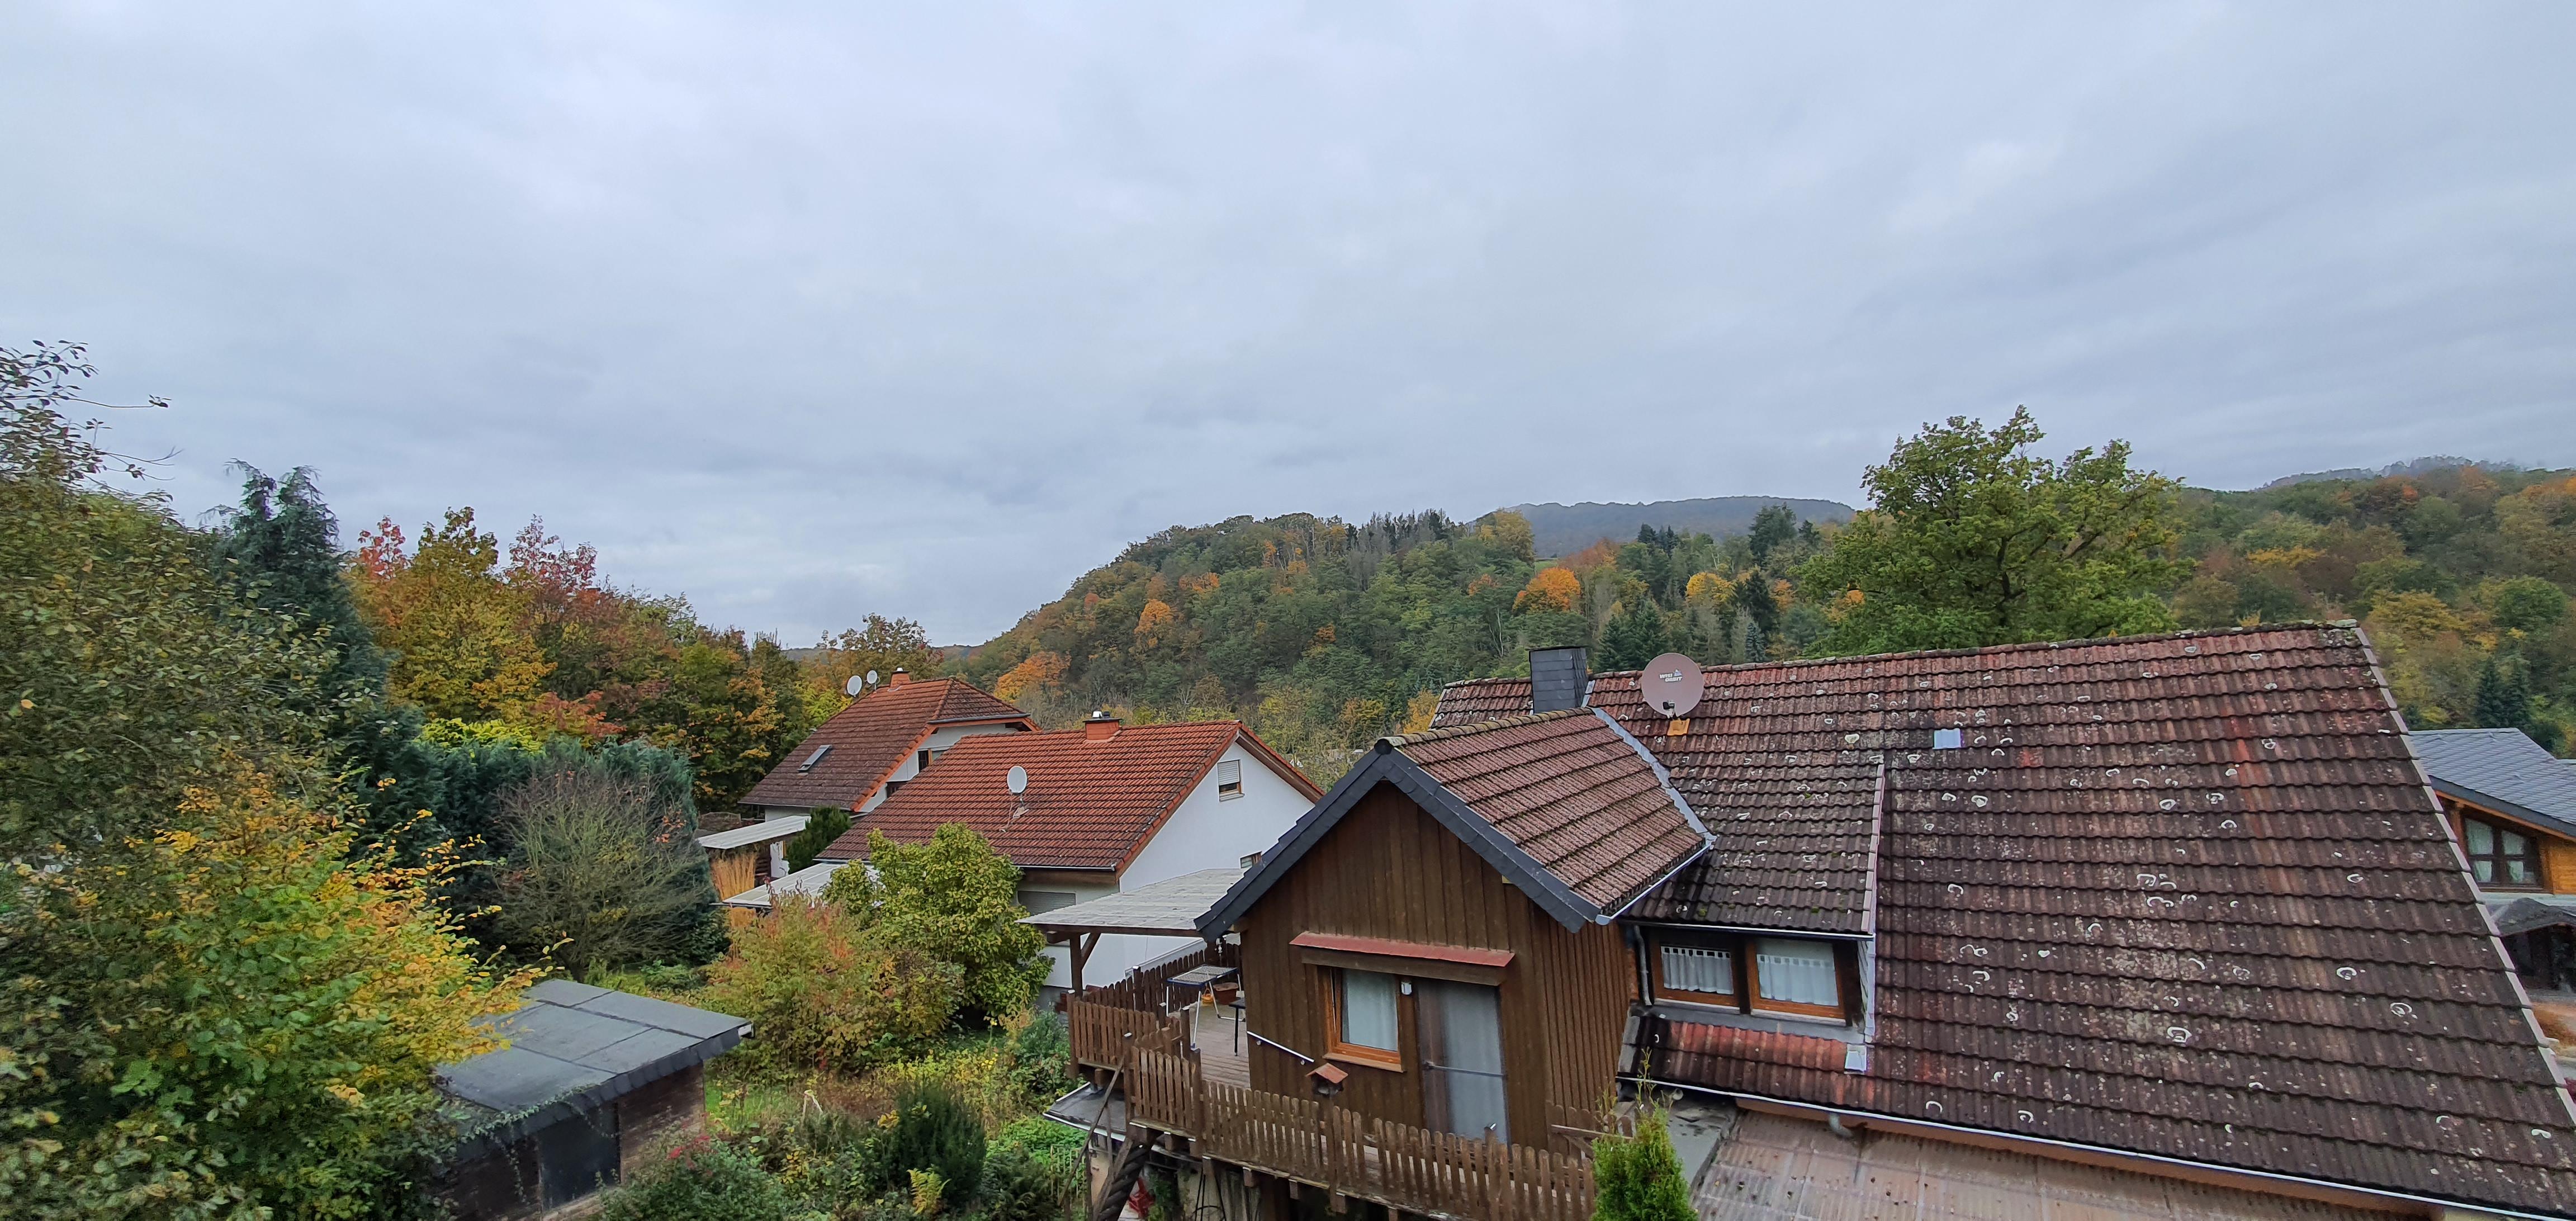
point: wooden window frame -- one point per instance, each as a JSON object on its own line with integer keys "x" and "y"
{"x": 1389, "y": 1059}
{"x": 1715, "y": 1000}
{"x": 1838, "y": 1011}
{"x": 2497, "y": 828}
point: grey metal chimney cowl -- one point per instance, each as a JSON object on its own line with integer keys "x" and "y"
{"x": 1557, "y": 679}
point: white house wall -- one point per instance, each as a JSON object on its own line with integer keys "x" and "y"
{"x": 1204, "y": 833}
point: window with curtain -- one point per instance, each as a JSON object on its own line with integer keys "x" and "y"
{"x": 2500, "y": 855}
{"x": 1796, "y": 977}
{"x": 1365, "y": 1021}
{"x": 1690, "y": 968}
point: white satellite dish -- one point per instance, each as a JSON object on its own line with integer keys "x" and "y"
{"x": 1671, "y": 685}
{"x": 1018, "y": 779}
{"x": 872, "y": 678}
{"x": 854, "y": 686}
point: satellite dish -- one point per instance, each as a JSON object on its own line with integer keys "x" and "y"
{"x": 872, "y": 678}
{"x": 1018, "y": 779}
{"x": 854, "y": 686}
{"x": 1671, "y": 684}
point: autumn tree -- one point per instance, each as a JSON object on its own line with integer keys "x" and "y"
{"x": 1970, "y": 540}
{"x": 214, "y": 1010}
{"x": 458, "y": 632}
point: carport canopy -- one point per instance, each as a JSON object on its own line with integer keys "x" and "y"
{"x": 1169, "y": 908}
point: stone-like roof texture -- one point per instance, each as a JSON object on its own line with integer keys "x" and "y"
{"x": 1571, "y": 792}
{"x": 2503, "y": 770}
{"x": 871, "y": 738}
{"x": 1089, "y": 805}
{"x": 2184, "y": 895}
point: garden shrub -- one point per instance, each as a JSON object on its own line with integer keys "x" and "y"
{"x": 1042, "y": 1059}
{"x": 701, "y": 1179}
{"x": 934, "y": 1130}
{"x": 824, "y": 993}
{"x": 1019, "y": 1186}
{"x": 822, "y": 826}
{"x": 1640, "y": 1177}
{"x": 956, "y": 900}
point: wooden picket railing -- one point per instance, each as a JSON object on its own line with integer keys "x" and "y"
{"x": 1109, "y": 1036}
{"x": 1397, "y": 1165}
{"x": 1110, "y": 1023}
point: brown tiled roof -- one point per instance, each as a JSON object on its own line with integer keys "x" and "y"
{"x": 1792, "y": 828}
{"x": 1571, "y": 792}
{"x": 1089, "y": 804}
{"x": 2186, "y": 896}
{"x": 871, "y": 738}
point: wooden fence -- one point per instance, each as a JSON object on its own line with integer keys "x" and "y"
{"x": 1403, "y": 1167}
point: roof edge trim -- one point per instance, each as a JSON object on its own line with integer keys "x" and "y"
{"x": 2383, "y": 1193}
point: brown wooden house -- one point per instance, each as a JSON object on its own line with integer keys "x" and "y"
{"x": 2168, "y": 909}
{"x": 2513, "y": 806}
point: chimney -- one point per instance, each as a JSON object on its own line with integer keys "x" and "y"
{"x": 1100, "y": 727}
{"x": 901, "y": 676}
{"x": 1557, "y": 679}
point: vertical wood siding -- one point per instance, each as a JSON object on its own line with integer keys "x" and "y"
{"x": 1390, "y": 870}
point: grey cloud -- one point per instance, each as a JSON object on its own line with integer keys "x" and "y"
{"x": 808, "y": 311}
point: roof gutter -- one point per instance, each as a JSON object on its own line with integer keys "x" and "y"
{"x": 1899, "y": 1123}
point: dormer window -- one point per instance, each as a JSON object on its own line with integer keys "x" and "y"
{"x": 816, "y": 757}
{"x": 1792, "y": 976}
{"x": 1796, "y": 976}
{"x": 1229, "y": 779}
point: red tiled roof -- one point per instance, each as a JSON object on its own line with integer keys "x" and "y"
{"x": 871, "y": 738}
{"x": 1571, "y": 793}
{"x": 1089, "y": 804}
{"x": 2183, "y": 895}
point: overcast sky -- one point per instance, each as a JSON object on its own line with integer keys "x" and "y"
{"x": 808, "y": 311}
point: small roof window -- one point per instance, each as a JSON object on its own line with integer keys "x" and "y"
{"x": 816, "y": 757}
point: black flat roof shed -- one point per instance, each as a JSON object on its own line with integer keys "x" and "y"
{"x": 573, "y": 1047}
{"x": 589, "y": 1076}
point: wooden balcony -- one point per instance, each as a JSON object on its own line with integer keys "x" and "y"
{"x": 1314, "y": 1142}
{"x": 1184, "y": 1073}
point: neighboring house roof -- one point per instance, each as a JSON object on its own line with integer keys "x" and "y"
{"x": 1091, "y": 803}
{"x": 572, "y": 1048}
{"x": 1169, "y": 908}
{"x": 2502, "y": 770}
{"x": 750, "y": 833}
{"x": 1564, "y": 804}
{"x": 871, "y": 738}
{"x": 2183, "y": 895}
{"x": 804, "y": 883}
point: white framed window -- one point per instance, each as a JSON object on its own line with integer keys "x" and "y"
{"x": 1229, "y": 779}
{"x": 1364, "y": 1024}
{"x": 1690, "y": 968}
{"x": 1795, "y": 976}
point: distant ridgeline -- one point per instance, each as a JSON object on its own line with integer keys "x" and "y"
{"x": 2416, "y": 467}
{"x": 1565, "y": 529}
{"x": 1323, "y": 634}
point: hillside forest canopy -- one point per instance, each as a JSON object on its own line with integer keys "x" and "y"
{"x": 1324, "y": 634}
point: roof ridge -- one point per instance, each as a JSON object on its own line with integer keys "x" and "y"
{"x": 1400, "y": 741}
{"x": 2017, "y": 647}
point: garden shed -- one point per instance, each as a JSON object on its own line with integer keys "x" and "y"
{"x": 590, "y": 1080}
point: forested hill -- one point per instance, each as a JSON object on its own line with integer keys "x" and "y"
{"x": 1564, "y": 529}
{"x": 1324, "y": 634}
